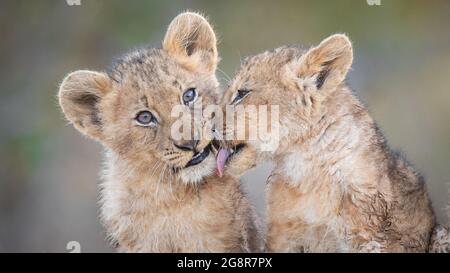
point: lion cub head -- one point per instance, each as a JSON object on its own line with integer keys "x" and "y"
{"x": 294, "y": 80}
{"x": 128, "y": 109}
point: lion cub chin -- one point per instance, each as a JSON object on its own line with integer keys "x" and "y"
{"x": 336, "y": 185}
{"x": 160, "y": 194}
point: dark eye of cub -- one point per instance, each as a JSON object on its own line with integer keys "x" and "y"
{"x": 145, "y": 118}
{"x": 240, "y": 95}
{"x": 189, "y": 96}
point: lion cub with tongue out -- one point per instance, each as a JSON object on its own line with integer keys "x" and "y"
{"x": 336, "y": 185}
{"x": 160, "y": 194}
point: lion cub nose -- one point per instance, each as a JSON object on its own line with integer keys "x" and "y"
{"x": 189, "y": 145}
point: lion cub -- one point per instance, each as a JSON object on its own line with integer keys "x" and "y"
{"x": 160, "y": 194}
{"x": 336, "y": 185}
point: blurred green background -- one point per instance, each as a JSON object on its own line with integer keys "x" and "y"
{"x": 48, "y": 171}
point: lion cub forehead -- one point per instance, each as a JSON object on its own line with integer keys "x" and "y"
{"x": 273, "y": 58}
{"x": 145, "y": 68}
{"x": 268, "y": 62}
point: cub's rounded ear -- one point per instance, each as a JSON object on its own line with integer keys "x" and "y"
{"x": 326, "y": 65}
{"x": 192, "y": 40}
{"x": 79, "y": 96}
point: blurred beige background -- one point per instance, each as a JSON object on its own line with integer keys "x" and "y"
{"x": 48, "y": 171}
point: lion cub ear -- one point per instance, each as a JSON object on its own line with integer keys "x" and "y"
{"x": 326, "y": 65}
{"x": 79, "y": 96}
{"x": 191, "y": 39}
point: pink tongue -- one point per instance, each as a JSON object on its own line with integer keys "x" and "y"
{"x": 221, "y": 160}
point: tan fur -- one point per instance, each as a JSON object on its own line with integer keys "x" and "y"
{"x": 440, "y": 241}
{"x": 336, "y": 185}
{"x": 150, "y": 201}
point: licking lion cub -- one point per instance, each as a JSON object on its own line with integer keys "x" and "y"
{"x": 160, "y": 194}
{"x": 336, "y": 185}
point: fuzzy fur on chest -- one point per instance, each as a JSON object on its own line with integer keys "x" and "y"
{"x": 358, "y": 198}
{"x": 143, "y": 216}
{"x": 311, "y": 211}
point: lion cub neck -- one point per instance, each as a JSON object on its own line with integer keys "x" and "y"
{"x": 336, "y": 148}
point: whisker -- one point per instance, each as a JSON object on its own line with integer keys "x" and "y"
{"x": 155, "y": 167}
{"x": 159, "y": 180}
{"x": 174, "y": 157}
{"x": 227, "y": 78}
{"x": 169, "y": 153}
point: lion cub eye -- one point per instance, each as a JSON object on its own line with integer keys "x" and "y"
{"x": 145, "y": 118}
{"x": 240, "y": 95}
{"x": 189, "y": 96}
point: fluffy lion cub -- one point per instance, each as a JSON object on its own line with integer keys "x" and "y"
{"x": 336, "y": 185}
{"x": 160, "y": 194}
